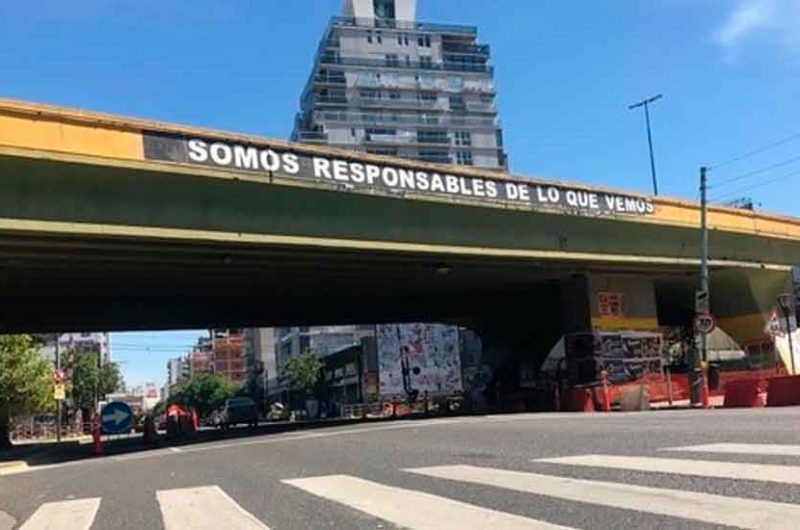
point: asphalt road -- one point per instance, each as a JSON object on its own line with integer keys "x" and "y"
{"x": 498, "y": 472}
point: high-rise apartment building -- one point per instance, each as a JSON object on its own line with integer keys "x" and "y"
{"x": 386, "y": 84}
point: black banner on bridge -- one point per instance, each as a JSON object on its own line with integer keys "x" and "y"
{"x": 354, "y": 174}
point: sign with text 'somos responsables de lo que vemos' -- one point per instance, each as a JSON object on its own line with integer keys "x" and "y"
{"x": 386, "y": 177}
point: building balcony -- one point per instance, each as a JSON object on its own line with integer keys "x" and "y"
{"x": 479, "y": 106}
{"x": 434, "y": 120}
{"x": 408, "y": 25}
{"x": 467, "y": 49}
{"x": 330, "y": 100}
{"x": 378, "y": 63}
{"x": 392, "y": 139}
{"x": 402, "y": 103}
{"x": 309, "y": 137}
{"x": 330, "y": 80}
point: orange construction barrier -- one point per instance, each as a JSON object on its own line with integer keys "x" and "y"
{"x": 743, "y": 393}
{"x": 783, "y": 391}
{"x": 578, "y": 400}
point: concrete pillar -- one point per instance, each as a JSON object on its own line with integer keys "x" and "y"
{"x": 620, "y": 302}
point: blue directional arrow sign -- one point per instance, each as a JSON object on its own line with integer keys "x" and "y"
{"x": 116, "y": 418}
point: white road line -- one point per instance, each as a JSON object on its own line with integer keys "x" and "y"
{"x": 64, "y": 515}
{"x": 411, "y": 509}
{"x": 741, "y": 449}
{"x": 204, "y": 508}
{"x": 698, "y": 468}
{"x": 176, "y": 449}
{"x": 715, "y": 509}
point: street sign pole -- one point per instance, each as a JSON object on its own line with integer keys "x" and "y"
{"x": 58, "y": 401}
{"x": 785, "y": 303}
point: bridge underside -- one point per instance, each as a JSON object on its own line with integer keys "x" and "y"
{"x": 91, "y": 244}
{"x": 50, "y": 282}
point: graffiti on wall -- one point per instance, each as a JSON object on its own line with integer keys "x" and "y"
{"x": 418, "y": 358}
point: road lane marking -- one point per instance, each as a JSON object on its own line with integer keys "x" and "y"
{"x": 741, "y": 449}
{"x": 715, "y": 509}
{"x": 677, "y": 466}
{"x": 64, "y": 515}
{"x": 204, "y": 508}
{"x": 176, "y": 449}
{"x": 411, "y": 509}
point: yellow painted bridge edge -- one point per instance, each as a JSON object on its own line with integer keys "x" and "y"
{"x": 29, "y": 126}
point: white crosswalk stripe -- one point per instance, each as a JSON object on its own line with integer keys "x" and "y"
{"x": 204, "y": 508}
{"x": 75, "y": 514}
{"x": 698, "y": 468}
{"x": 741, "y": 449}
{"x": 714, "y": 509}
{"x": 413, "y": 509}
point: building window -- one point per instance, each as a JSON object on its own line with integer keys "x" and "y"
{"x": 425, "y": 62}
{"x": 369, "y": 93}
{"x": 457, "y": 104}
{"x": 383, "y": 8}
{"x": 464, "y": 158}
{"x": 394, "y": 94}
{"x": 462, "y": 138}
{"x": 369, "y": 37}
{"x": 441, "y": 157}
{"x": 427, "y": 96}
{"x": 424, "y": 41}
{"x": 392, "y": 60}
{"x": 402, "y": 39}
{"x": 378, "y": 37}
{"x": 433, "y": 136}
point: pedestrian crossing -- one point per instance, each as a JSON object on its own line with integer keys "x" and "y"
{"x": 210, "y": 507}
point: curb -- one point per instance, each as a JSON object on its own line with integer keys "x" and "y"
{"x": 12, "y": 467}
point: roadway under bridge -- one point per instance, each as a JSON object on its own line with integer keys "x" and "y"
{"x": 111, "y": 223}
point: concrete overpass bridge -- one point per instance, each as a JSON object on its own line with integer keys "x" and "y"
{"x": 109, "y": 222}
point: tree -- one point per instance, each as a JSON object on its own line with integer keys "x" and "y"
{"x": 90, "y": 381}
{"x": 205, "y": 392}
{"x": 304, "y": 372}
{"x": 26, "y": 381}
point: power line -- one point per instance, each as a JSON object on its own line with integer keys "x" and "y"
{"x": 755, "y": 172}
{"x": 758, "y": 185}
{"x": 756, "y": 151}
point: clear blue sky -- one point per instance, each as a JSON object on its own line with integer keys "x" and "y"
{"x": 566, "y": 71}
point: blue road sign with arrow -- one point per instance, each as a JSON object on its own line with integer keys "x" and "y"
{"x": 116, "y": 418}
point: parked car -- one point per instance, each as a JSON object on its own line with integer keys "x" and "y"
{"x": 236, "y": 411}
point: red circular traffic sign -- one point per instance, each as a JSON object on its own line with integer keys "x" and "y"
{"x": 704, "y": 323}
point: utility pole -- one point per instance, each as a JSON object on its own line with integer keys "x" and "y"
{"x": 646, "y": 104}
{"x": 698, "y": 389}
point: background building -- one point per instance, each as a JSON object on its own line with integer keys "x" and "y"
{"x": 228, "y": 354}
{"x": 386, "y": 84}
{"x": 97, "y": 343}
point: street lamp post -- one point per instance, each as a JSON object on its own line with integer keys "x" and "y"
{"x": 646, "y": 104}
{"x": 785, "y": 302}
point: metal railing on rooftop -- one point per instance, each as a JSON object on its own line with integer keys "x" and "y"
{"x": 409, "y": 25}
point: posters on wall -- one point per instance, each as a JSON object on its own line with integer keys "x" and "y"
{"x": 418, "y": 358}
